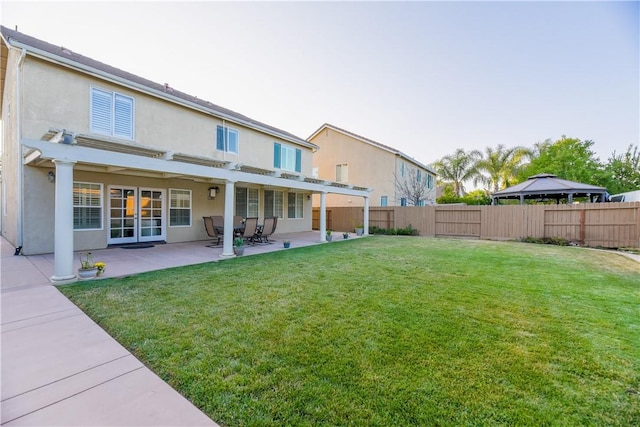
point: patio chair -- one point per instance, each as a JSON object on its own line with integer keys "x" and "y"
{"x": 211, "y": 231}
{"x": 218, "y": 223}
{"x": 250, "y": 229}
{"x": 238, "y": 226}
{"x": 268, "y": 228}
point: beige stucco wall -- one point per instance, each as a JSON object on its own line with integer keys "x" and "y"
{"x": 10, "y": 153}
{"x": 40, "y": 202}
{"x": 369, "y": 166}
{"x": 55, "y": 99}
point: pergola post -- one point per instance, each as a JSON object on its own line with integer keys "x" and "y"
{"x": 63, "y": 224}
{"x": 229, "y": 200}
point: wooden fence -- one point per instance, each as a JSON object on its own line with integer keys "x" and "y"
{"x": 610, "y": 225}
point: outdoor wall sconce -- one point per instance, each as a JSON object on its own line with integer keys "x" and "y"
{"x": 212, "y": 192}
{"x": 51, "y": 177}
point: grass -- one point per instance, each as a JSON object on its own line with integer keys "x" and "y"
{"x": 390, "y": 331}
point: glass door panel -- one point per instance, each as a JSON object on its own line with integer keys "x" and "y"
{"x": 122, "y": 215}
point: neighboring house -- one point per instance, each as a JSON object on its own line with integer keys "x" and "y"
{"x": 94, "y": 156}
{"x": 344, "y": 156}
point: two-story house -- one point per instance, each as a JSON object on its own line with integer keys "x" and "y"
{"x": 94, "y": 156}
{"x": 396, "y": 179}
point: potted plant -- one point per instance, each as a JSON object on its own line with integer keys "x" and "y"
{"x": 87, "y": 269}
{"x": 238, "y": 246}
{"x": 345, "y": 235}
{"x": 100, "y": 266}
{"x": 329, "y": 236}
{"x": 360, "y": 230}
{"x": 286, "y": 243}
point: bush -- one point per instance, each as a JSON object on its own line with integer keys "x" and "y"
{"x": 558, "y": 241}
{"x": 408, "y": 231}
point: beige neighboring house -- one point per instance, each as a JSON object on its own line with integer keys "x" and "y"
{"x": 344, "y": 156}
{"x": 94, "y": 156}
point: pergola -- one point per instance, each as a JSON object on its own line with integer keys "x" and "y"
{"x": 548, "y": 186}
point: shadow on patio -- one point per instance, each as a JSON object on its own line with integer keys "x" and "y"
{"x": 124, "y": 262}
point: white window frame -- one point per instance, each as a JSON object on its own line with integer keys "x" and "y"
{"x": 342, "y": 172}
{"x": 100, "y": 199}
{"x": 278, "y": 208}
{"x": 287, "y": 158}
{"x": 252, "y": 202}
{"x": 226, "y": 132}
{"x": 298, "y": 205}
{"x": 173, "y": 191}
{"x": 384, "y": 201}
{"x": 113, "y": 116}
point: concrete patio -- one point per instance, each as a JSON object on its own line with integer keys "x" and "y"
{"x": 60, "y": 368}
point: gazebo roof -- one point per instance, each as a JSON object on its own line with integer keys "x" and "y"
{"x": 548, "y": 185}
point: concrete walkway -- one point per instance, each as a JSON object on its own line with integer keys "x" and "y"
{"x": 59, "y": 368}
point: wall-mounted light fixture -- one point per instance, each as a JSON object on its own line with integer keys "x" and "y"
{"x": 212, "y": 192}
{"x": 51, "y": 177}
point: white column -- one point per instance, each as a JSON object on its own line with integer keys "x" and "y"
{"x": 63, "y": 217}
{"x": 323, "y": 216}
{"x": 365, "y": 222}
{"x": 229, "y": 202}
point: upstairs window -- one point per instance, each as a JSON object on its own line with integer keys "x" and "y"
{"x": 403, "y": 201}
{"x": 402, "y": 169}
{"x": 227, "y": 139}
{"x": 111, "y": 114}
{"x": 342, "y": 173}
{"x": 429, "y": 181}
{"x": 384, "y": 201}
{"x": 287, "y": 158}
{"x": 419, "y": 176}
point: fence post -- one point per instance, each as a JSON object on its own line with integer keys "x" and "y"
{"x": 582, "y": 226}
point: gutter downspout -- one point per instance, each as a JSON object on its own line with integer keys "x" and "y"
{"x": 19, "y": 146}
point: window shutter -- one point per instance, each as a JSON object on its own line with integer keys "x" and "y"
{"x": 100, "y": 111}
{"x": 276, "y": 155}
{"x": 123, "y": 115}
{"x": 298, "y": 160}
{"x": 220, "y": 138}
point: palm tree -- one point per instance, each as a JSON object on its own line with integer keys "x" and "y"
{"x": 498, "y": 167}
{"x": 457, "y": 168}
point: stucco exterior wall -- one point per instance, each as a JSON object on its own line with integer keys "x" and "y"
{"x": 60, "y": 98}
{"x": 10, "y": 151}
{"x": 368, "y": 166}
{"x": 40, "y": 202}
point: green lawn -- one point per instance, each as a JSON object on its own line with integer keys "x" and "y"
{"x": 390, "y": 331}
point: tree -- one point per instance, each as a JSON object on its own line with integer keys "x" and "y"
{"x": 413, "y": 187}
{"x": 457, "y": 168}
{"x": 623, "y": 171}
{"x": 568, "y": 158}
{"x": 499, "y": 167}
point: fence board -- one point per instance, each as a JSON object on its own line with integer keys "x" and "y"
{"x": 596, "y": 224}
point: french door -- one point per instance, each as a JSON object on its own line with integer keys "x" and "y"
{"x": 136, "y": 214}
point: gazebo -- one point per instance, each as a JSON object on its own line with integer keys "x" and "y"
{"x": 548, "y": 186}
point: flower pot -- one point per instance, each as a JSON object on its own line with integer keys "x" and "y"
{"x": 287, "y": 244}
{"x": 329, "y": 237}
{"x": 359, "y": 231}
{"x": 87, "y": 273}
{"x": 100, "y": 272}
{"x": 238, "y": 250}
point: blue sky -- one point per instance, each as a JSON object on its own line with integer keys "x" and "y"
{"x": 423, "y": 77}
